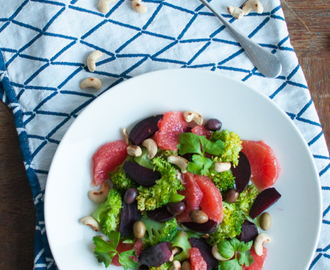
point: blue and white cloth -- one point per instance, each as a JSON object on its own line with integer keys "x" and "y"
{"x": 44, "y": 45}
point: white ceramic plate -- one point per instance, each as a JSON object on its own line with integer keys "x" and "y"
{"x": 296, "y": 216}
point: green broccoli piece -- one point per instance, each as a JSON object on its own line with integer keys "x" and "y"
{"x": 164, "y": 189}
{"x": 164, "y": 266}
{"x": 233, "y": 145}
{"x": 120, "y": 180}
{"x": 107, "y": 214}
{"x": 157, "y": 232}
{"x": 181, "y": 241}
{"x": 224, "y": 181}
{"x": 234, "y": 214}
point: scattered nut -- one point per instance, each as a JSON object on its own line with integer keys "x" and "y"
{"x": 136, "y": 5}
{"x": 216, "y": 254}
{"x": 100, "y": 195}
{"x": 91, "y": 83}
{"x": 174, "y": 252}
{"x": 90, "y": 221}
{"x": 235, "y": 12}
{"x": 103, "y": 5}
{"x": 252, "y": 5}
{"x": 265, "y": 221}
{"x": 176, "y": 265}
{"x": 181, "y": 162}
{"x": 222, "y": 166}
{"x": 198, "y": 216}
{"x": 193, "y": 116}
{"x": 126, "y": 136}
{"x": 134, "y": 150}
{"x": 139, "y": 229}
{"x": 259, "y": 242}
{"x": 151, "y": 145}
{"x": 91, "y": 60}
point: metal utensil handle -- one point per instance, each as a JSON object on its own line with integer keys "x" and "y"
{"x": 267, "y": 63}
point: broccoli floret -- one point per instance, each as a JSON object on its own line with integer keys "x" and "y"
{"x": 181, "y": 241}
{"x": 234, "y": 214}
{"x": 120, "y": 180}
{"x": 164, "y": 189}
{"x": 224, "y": 181}
{"x": 233, "y": 145}
{"x": 164, "y": 266}
{"x": 157, "y": 232}
{"x": 107, "y": 214}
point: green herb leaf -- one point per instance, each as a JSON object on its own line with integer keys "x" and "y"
{"x": 245, "y": 258}
{"x": 126, "y": 261}
{"x": 199, "y": 165}
{"x": 189, "y": 143}
{"x": 235, "y": 243}
{"x": 103, "y": 246}
{"x": 230, "y": 265}
{"x": 213, "y": 148}
{"x": 226, "y": 249}
{"x": 104, "y": 257}
{"x": 114, "y": 238}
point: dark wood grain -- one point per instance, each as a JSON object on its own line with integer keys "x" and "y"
{"x": 309, "y": 28}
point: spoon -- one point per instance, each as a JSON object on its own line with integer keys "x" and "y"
{"x": 266, "y": 62}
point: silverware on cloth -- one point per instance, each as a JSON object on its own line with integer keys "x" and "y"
{"x": 266, "y": 63}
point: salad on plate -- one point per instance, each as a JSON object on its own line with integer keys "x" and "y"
{"x": 179, "y": 192}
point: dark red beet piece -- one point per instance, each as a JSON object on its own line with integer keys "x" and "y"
{"x": 242, "y": 172}
{"x": 207, "y": 227}
{"x": 249, "y": 232}
{"x": 143, "y": 176}
{"x": 265, "y": 199}
{"x": 129, "y": 214}
{"x": 144, "y": 129}
{"x": 160, "y": 214}
{"x": 206, "y": 251}
{"x": 155, "y": 255}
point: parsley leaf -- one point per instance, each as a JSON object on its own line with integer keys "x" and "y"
{"x": 226, "y": 249}
{"x": 105, "y": 251}
{"x": 230, "y": 265}
{"x": 189, "y": 143}
{"x": 199, "y": 165}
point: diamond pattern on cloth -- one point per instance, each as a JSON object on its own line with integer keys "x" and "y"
{"x": 43, "y": 50}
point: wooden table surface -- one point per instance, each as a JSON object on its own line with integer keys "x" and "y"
{"x": 309, "y": 27}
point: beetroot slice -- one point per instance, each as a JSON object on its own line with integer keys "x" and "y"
{"x": 129, "y": 214}
{"x": 207, "y": 227}
{"x": 155, "y": 255}
{"x": 144, "y": 129}
{"x": 242, "y": 172}
{"x": 160, "y": 214}
{"x": 265, "y": 199}
{"x": 143, "y": 176}
{"x": 249, "y": 232}
{"x": 206, "y": 251}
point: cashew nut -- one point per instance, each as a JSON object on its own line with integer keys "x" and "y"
{"x": 134, "y": 150}
{"x": 235, "y": 12}
{"x": 151, "y": 145}
{"x": 181, "y": 162}
{"x": 91, "y": 82}
{"x": 216, "y": 254}
{"x": 193, "y": 116}
{"x": 174, "y": 252}
{"x": 136, "y": 5}
{"x": 222, "y": 166}
{"x": 252, "y": 5}
{"x": 259, "y": 241}
{"x": 90, "y": 221}
{"x": 126, "y": 136}
{"x": 176, "y": 265}
{"x": 91, "y": 59}
{"x": 104, "y": 5}
{"x": 100, "y": 195}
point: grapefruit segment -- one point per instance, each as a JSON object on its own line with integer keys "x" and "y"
{"x": 196, "y": 260}
{"x": 106, "y": 159}
{"x": 201, "y": 131}
{"x": 265, "y": 168}
{"x": 170, "y": 127}
{"x": 259, "y": 261}
{"x": 193, "y": 197}
{"x": 211, "y": 203}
